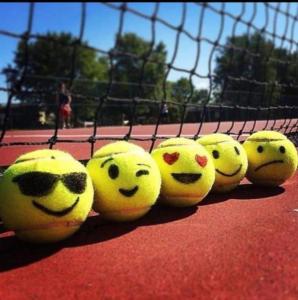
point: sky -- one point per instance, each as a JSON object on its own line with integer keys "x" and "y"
{"x": 102, "y": 23}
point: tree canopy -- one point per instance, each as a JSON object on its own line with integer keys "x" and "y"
{"x": 137, "y": 61}
{"x": 246, "y": 72}
{"x": 54, "y": 56}
{"x": 47, "y": 61}
{"x": 249, "y": 67}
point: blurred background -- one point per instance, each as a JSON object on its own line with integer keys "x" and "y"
{"x": 121, "y": 61}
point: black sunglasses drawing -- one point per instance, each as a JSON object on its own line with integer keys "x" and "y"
{"x": 42, "y": 183}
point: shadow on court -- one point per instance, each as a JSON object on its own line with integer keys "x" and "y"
{"x": 15, "y": 253}
{"x": 254, "y": 192}
{"x": 160, "y": 214}
{"x": 244, "y": 192}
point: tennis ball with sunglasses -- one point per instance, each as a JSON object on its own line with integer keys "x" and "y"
{"x": 229, "y": 159}
{"x": 187, "y": 171}
{"x": 45, "y": 196}
{"x": 272, "y": 158}
{"x": 126, "y": 181}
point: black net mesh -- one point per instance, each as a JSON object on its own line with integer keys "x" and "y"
{"x": 241, "y": 76}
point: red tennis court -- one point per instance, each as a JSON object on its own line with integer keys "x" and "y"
{"x": 81, "y": 150}
{"x": 239, "y": 245}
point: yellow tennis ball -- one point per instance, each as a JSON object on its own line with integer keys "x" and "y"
{"x": 45, "y": 196}
{"x": 126, "y": 181}
{"x": 229, "y": 158}
{"x": 187, "y": 171}
{"x": 272, "y": 158}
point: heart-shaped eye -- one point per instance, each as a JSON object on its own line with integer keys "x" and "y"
{"x": 171, "y": 158}
{"x": 201, "y": 160}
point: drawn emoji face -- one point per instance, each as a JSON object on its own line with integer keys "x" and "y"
{"x": 229, "y": 158}
{"x": 46, "y": 195}
{"x": 127, "y": 181}
{"x": 187, "y": 171}
{"x": 272, "y": 158}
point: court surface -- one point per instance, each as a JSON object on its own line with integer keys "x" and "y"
{"x": 75, "y": 140}
{"x": 242, "y": 245}
{"x": 239, "y": 246}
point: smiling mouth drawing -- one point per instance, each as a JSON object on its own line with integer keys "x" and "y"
{"x": 268, "y": 163}
{"x": 229, "y": 175}
{"x": 186, "y": 177}
{"x": 59, "y": 213}
{"x": 129, "y": 193}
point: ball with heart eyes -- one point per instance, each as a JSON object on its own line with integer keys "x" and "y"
{"x": 187, "y": 171}
{"x": 126, "y": 181}
{"x": 230, "y": 160}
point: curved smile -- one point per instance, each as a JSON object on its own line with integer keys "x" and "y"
{"x": 186, "y": 177}
{"x": 268, "y": 163}
{"x": 229, "y": 175}
{"x": 56, "y": 213}
{"x": 129, "y": 193}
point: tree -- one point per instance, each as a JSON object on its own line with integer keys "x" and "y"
{"x": 287, "y": 74}
{"x": 232, "y": 66}
{"x": 44, "y": 62}
{"x": 200, "y": 96}
{"x": 181, "y": 90}
{"x": 138, "y": 71}
{"x": 137, "y": 61}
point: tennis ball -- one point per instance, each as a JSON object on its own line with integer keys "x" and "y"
{"x": 272, "y": 158}
{"x": 45, "y": 196}
{"x": 229, "y": 158}
{"x": 187, "y": 171}
{"x": 126, "y": 181}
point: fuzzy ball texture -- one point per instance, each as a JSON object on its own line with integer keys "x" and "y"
{"x": 272, "y": 158}
{"x": 45, "y": 196}
{"x": 229, "y": 158}
{"x": 187, "y": 171}
{"x": 126, "y": 181}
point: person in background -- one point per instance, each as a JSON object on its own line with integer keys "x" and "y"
{"x": 41, "y": 118}
{"x": 64, "y": 99}
{"x": 164, "y": 112}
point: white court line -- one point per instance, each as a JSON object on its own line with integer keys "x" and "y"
{"x": 101, "y": 135}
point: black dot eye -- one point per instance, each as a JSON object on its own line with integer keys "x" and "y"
{"x": 260, "y": 149}
{"x": 282, "y": 149}
{"x": 113, "y": 171}
{"x": 237, "y": 150}
{"x": 215, "y": 154}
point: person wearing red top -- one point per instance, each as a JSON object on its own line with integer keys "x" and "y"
{"x": 64, "y": 99}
